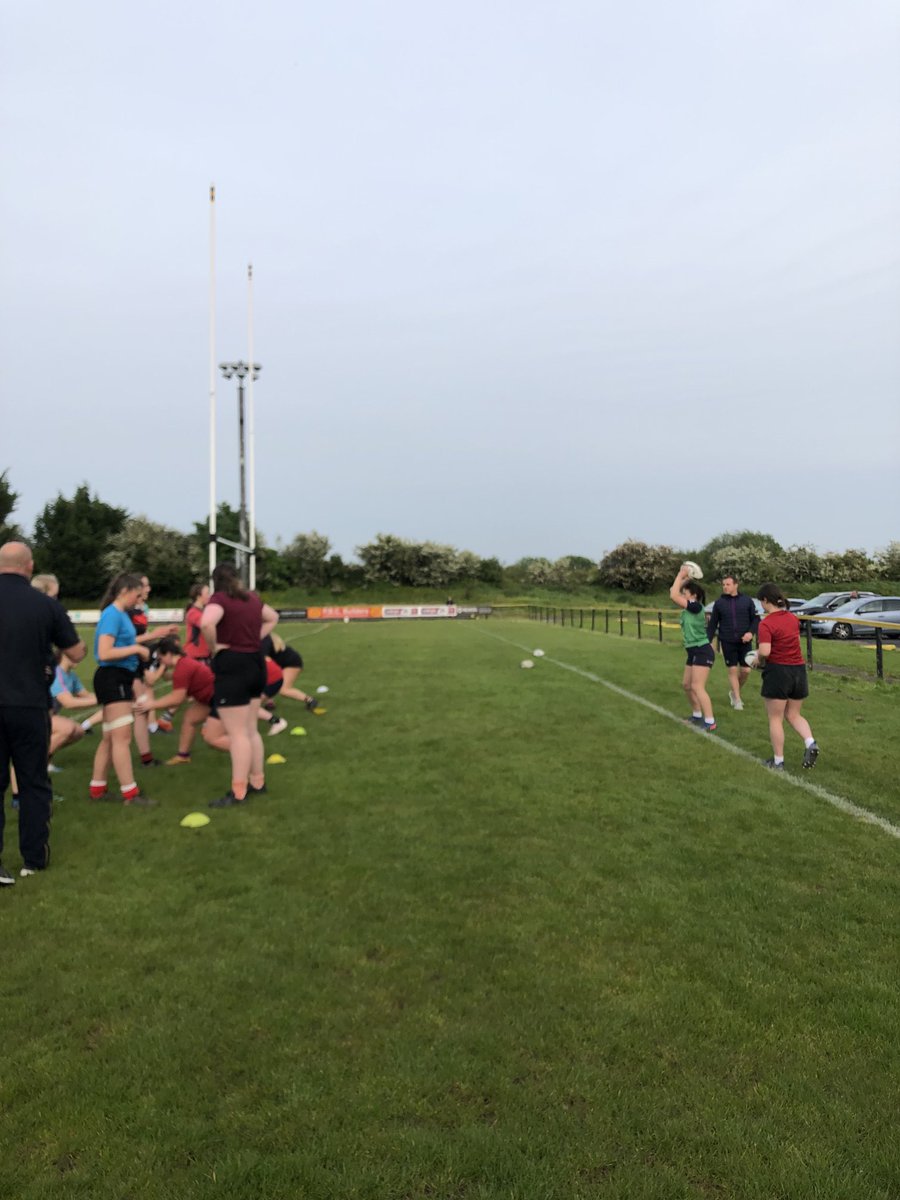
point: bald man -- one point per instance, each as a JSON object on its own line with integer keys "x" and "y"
{"x": 31, "y": 624}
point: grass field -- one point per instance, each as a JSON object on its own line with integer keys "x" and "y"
{"x": 494, "y": 933}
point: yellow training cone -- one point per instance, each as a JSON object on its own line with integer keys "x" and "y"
{"x": 275, "y": 759}
{"x": 298, "y": 731}
{"x": 194, "y": 821}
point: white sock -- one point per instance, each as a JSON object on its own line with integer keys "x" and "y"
{"x": 709, "y": 720}
{"x": 153, "y": 727}
{"x": 698, "y": 715}
{"x": 779, "y": 758}
{"x": 807, "y": 742}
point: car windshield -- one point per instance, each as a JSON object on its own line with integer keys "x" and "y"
{"x": 823, "y": 598}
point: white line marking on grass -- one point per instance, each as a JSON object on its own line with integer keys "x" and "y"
{"x": 298, "y": 637}
{"x": 839, "y": 802}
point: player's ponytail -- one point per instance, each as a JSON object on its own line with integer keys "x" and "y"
{"x": 774, "y": 595}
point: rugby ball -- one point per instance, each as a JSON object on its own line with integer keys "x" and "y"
{"x": 526, "y": 664}
{"x": 693, "y": 570}
{"x": 538, "y": 653}
{"x": 751, "y": 658}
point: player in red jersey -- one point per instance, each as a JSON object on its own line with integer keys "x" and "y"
{"x": 191, "y": 680}
{"x": 785, "y": 685}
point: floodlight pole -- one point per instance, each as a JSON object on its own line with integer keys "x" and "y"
{"x": 240, "y": 371}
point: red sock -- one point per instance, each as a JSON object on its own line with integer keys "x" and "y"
{"x": 98, "y": 789}
{"x": 129, "y": 792}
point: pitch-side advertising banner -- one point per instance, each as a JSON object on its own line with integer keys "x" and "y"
{"x": 156, "y": 616}
{"x": 350, "y": 612}
{"x": 418, "y": 610}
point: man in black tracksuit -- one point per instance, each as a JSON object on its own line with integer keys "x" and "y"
{"x": 31, "y": 624}
{"x": 734, "y": 621}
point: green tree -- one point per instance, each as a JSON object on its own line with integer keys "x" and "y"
{"x": 887, "y": 561}
{"x": 742, "y": 537}
{"x": 228, "y": 525}
{"x": 847, "y": 567}
{"x": 9, "y": 532}
{"x": 305, "y": 559}
{"x": 163, "y": 554}
{"x": 800, "y": 564}
{"x": 270, "y": 570}
{"x": 490, "y": 570}
{"x": 750, "y": 563}
{"x": 72, "y": 536}
{"x": 638, "y": 567}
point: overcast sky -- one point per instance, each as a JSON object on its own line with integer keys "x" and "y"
{"x": 530, "y": 278}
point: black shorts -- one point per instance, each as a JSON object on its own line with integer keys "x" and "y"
{"x": 113, "y": 685}
{"x": 272, "y": 689}
{"x": 783, "y": 682}
{"x": 733, "y": 652}
{"x": 701, "y": 656}
{"x": 240, "y": 678}
{"x": 288, "y": 657}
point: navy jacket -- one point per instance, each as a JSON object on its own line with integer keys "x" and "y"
{"x": 732, "y": 617}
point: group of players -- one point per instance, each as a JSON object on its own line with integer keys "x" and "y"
{"x": 227, "y": 671}
{"x": 734, "y": 623}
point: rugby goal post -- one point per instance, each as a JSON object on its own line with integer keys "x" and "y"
{"x": 245, "y": 547}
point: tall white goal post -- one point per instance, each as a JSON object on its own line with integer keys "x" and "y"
{"x": 245, "y": 547}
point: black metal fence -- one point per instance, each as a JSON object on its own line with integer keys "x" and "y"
{"x": 662, "y": 625}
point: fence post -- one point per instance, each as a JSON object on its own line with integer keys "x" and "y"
{"x": 879, "y": 653}
{"x": 809, "y": 653}
{"x": 639, "y": 624}
{"x": 606, "y": 611}
{"x": 621, "y": 623}
{"x": 659, "y": 618}
{"x": 581, "y": 618}
{"x": 593, "y": 619}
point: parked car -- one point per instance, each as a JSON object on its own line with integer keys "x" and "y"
{"x": 828, "y": 601}
{"x": 795, "y": 603}
{"x": 840, "y": 624}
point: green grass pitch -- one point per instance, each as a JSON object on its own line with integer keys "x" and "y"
{"x": 493, "y": 934}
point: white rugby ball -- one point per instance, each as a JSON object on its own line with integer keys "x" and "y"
{"x": 526, "y": 664}
{"x": 693, "y": 569}
{"x": 538, "y": 653}
{"x": 750, "y": 658}
{"x": 321, "y": 690}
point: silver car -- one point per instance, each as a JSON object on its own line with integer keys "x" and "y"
{"x": 839, "y": 624}
{"x": 828, "y": 602}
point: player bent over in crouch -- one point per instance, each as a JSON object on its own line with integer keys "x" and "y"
{"x": 690, "y": 597}
{"x": 291, "y": 664}
{"x": 118, "y": 653}
{"x": 67, "y": 692}
{"x": 192, "y": 679}
{"x": 234, "y": 623}
{"x": 784, "y": 684}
